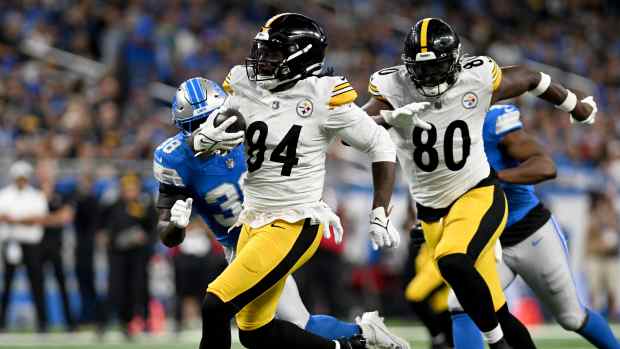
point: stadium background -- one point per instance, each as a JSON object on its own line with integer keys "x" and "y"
{"x": 87, "y": 84}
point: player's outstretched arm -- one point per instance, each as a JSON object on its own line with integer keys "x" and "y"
{"x": 535, "y": 164}
{"x": 373, "y": 107}
{"x": 517, "y": 80}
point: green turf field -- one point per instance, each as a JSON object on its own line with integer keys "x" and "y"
{"x": 546, "y": 337}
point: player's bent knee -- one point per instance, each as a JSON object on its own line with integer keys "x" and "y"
{"x": 572, "y": 321}
{"x": 454, "y": 265}
{"x": 215, "y": 310}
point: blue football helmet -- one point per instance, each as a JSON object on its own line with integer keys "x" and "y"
{"x": 194, "y": 101}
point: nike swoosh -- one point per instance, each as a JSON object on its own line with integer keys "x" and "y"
{"x": 277, "y": 226}
{"x": 377, "y": 221}
{"x": 536, "y": 242}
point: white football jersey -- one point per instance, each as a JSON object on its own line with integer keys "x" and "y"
{"x": 445, "y": 162}
{"x": 288, "y": 134}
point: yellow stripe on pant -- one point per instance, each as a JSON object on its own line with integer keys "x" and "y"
{"x": 265, "y": 257}
{"x": 472, "y": 226}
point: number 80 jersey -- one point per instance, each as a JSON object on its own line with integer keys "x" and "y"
{"x": 445, "y": 162}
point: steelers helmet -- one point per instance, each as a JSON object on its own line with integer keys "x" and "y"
{"x": 288, "y": 48}
{"x": 194, "y": 101}
{"x": 431, "y": 55}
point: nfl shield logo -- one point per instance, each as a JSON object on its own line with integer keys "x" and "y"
{"x": 230, "y": 163}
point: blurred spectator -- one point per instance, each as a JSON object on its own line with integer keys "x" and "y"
{"x": 85, "y": 223}
{"x": 61, "y": 212}
{"x": 197, "y": 262}
{"x": 130, "y": 226}
{"x": 22, "y": 212}
{"x": 602, "y": 253}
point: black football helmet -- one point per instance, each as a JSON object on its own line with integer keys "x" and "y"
{"x": 289, "y": 47}
{"x": 431, "y": 53}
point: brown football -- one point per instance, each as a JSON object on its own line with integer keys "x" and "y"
{"x": 239, "y": 125}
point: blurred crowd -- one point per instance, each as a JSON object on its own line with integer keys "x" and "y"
{"x": 50, "y": 111}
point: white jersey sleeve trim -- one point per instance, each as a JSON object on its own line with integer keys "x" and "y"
{"x": 508, "y": 122}
{"x": 167, "y": 175}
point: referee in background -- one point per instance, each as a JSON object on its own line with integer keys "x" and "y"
{"x": 23, "y": 210}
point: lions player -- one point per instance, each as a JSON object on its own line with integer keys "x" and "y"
{"x": 534, "y": 246}
{"x": 293, "y": 112}
{"x": 437, "y": 101}
{"x": 211, "y": 183}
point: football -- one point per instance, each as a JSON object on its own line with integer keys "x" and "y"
{"x": 239, "y": 125}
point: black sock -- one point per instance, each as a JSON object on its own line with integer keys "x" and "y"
{"x": 216, "y": 317}
{"x": 283, "y": 334}
{"x": 427, "y": 316}
{"x": 470, "y": 289}
{"x": 445, "y": 320}
{"x": 514, "y": 331}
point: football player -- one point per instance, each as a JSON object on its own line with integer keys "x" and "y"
{"x": 533, "y": 243}
{"x": 436, "y": 102}
{"x": 210, "y": 184}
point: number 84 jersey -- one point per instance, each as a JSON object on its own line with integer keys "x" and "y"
{"x": 288, "y": 134}
{"x": 445, "y": 162}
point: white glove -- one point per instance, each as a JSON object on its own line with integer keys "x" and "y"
{"x": 407, "y": 115}
{"x": 332, "y": 221}
{"x": 592, "y": 117}
{"x": 180, "y": 212}
{"x": 382, "y": 232}
{"x": 209, "y": 138}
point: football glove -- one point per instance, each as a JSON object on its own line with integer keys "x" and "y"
{"x": 382, "y": 232}
{"x": 332, "y": 221}
{"x": 209, "y": 138}
{"x": 592, "y": 117}
{"x": 181, "y": 212}
{"x": 407, "y": 115}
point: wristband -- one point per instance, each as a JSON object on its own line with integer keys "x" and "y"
{"x": 543, "y": 85}
{"x": 570, "y": 102}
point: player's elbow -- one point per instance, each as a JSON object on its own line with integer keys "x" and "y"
{"x": 548, "y": 170}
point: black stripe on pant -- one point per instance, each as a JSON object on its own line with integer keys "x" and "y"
{"x": 488, "y": 224}
{"x": 302, "y": 244}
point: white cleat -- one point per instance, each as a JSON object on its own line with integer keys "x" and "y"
{"x": 377, "y": 334}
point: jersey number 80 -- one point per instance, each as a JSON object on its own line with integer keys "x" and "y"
{"x": 428, "y": 146}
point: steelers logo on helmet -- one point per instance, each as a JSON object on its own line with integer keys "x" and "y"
{"x": 288, "y": 48}
{"x": 305, "y": 108}
{"x": 470, "y": 100}
{"x": 431, "y": 55}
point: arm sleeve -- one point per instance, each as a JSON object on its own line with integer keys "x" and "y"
{"x": 357, "y": 129}
{"x": 169, "y": 194}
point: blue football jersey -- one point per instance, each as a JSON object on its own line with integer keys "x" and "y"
{"x": 501, "y": 120}
{"x": 214, "y": 182}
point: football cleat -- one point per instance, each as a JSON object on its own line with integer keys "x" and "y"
{"x": 377, "y": 334}
{"x": 355, "y": 342}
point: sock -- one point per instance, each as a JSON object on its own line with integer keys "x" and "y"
{"x": 515, "y": 333}
{"x": 216, "y": 317}
{"x": 331, "y": 328}
{"x": 493, "y": 336}
{"x": 283, "y": 334}
{"x": 445, "y": 321}
{"x": 596, "y": 330}
{"x": 424, "y": 312}
{"x": 465, "y": 333}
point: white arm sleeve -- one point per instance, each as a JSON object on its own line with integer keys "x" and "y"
{"x": 356, "y": 128}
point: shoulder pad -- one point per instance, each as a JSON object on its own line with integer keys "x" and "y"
{"x": 486, "y": 68}
{"x": 506, "y": 117}
{"x": 381, "y": 82}
{"x": 167, "y": 162}
{"x": 234, "y": 77}
{"x": 342, "y": 92}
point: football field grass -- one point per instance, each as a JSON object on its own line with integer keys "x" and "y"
{"x": 546, "y": 337}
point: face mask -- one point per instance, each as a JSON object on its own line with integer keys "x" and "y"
{"x": 434, "y": 91}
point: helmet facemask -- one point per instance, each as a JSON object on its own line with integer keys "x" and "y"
{"x": 433, "y": 76}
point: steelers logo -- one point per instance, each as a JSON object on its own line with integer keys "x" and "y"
{"x": 304, "y": 108}
{"x": 470, "y": 100}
